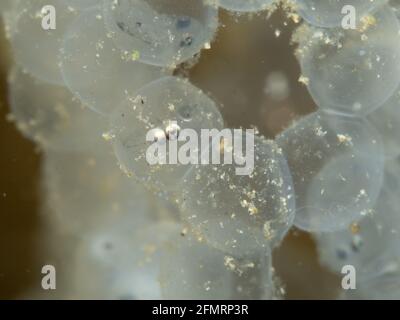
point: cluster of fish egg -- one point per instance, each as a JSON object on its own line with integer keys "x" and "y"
{"x": 88, "y": 91}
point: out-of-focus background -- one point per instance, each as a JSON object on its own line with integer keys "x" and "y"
{"x": 252, "y": 72}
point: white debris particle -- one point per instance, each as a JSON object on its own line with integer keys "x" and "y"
{"x": 304, "y": 80}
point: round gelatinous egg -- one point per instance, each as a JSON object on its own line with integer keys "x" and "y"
{"x": 245, "y": 5}
{"x": 337, "y": 167}
{"x": 193, "y": 270}
{"x": 234, "y": 210}
{"x": 331, "y": 13}
{"x": 148, "y": 130}
{"x": 352, "y": 71}
{"x": 368, "y": 244}
{"x": 387, "y": 121}
{"x": 49, "y": 115}
{"x": 97, "y": 72}
{"x": 35, "y": 42}
{"x": 161, "y": 33}
{"x": 116, "y": 262}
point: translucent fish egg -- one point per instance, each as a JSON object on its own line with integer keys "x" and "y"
{"x": 337, "y": 167}
{"x": 211, "y": 274}
{"x": 160, "y": 111}
{"x": 352, "y": 71}
{"x": 395, "y": 5}
{"x": 121, "y": 264}
{"x": 369, "y": 244}
{"x": 239, "y": 214}
{"x": 328, "y": 13}
{"x": 97, "y": 72}
{"x": 87, "y": 189}
{"x": 387, "y": 121}
{"x": 161, "y": 33}
{"x": 5, "y": 5}
{"x": 82, "y": 4}
{"x": 245, "y": 5}
{"x": 36, "y": 49}
{"x": 383, "y": 287}
{"x": 49, "y": 115}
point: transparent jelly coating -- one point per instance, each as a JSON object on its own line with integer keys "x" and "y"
{"x": 158, "y": 32}
{"x": 337, "y": 167}
{"x": 34, "y": 48}
{"x": 49, "y": 115}
{"x": 395, "y": 4}
{"x": 328, "y": 13}
{"x": 387, "y": 121}
{"x": 82, "y": 4}
{"x": 121, "y": 264}
{"x": 193, "y": 270}
{"x": 369, "y": 244}
{"x": 245, "y": 5}
{"x": 240, "y": 214}
{"x": 85, "y": 190}
{"x": 386, "y": 286}
{"x": 352, "y": 71}
{"x": 155, "y": 121}
{"x": 4, "y": 5}
{"x": 97, "y": 72}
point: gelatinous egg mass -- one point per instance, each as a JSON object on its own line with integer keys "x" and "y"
{"x": 337, "y": 168}
{"x": 163, "y": 33}
{"x": 49, "y": 115}
{"x": 148, "y": 130}
{"x": 145, "y": 193}
{"x": 331, "y": 13}
{"x": 352, "y": 71}
{"x": 240, "y": 212}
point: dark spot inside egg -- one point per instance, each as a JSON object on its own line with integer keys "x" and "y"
{"x": 341, "y": 254}
{"x": 183, "y": 22}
